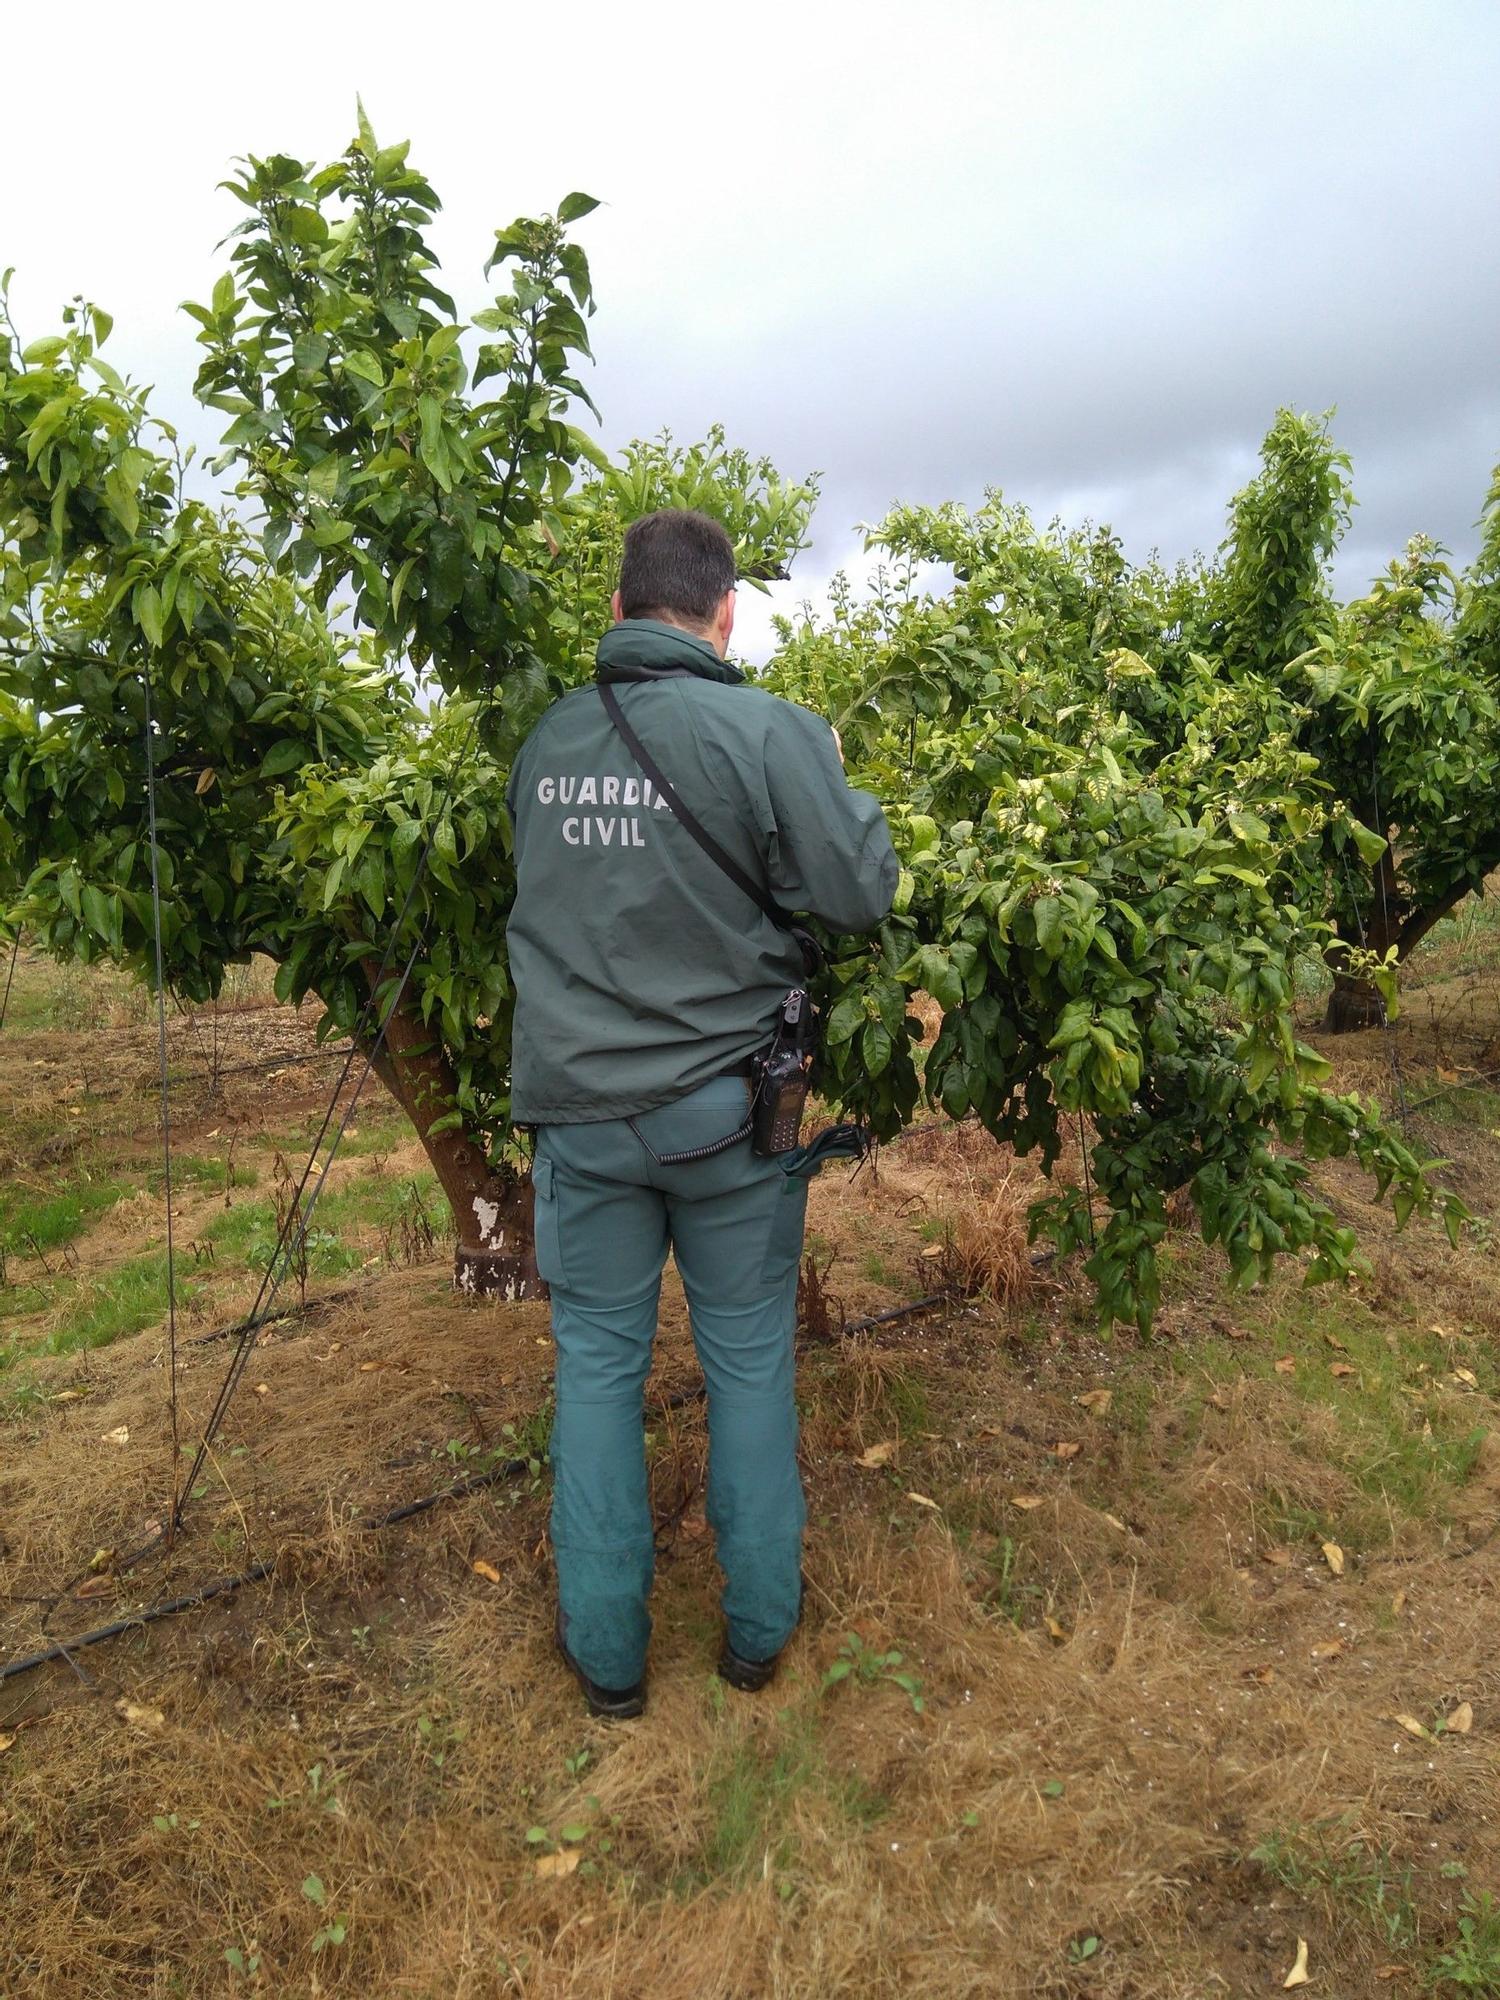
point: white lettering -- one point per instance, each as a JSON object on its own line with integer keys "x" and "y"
{"x": 606, "y": 830}
{"x": 661, "y": 804}
{"x": 572, "y": 837}
{"x": 631, "y": 796}
{"x": 588, "y": 793}
{"x": 637, "y": 838}
{"x": 565, "y": 790}
{"x": 609, "y": 791}
{"x": 546, "y": 791}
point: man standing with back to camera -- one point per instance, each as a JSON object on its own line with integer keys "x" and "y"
{"x": 649, "y": 972}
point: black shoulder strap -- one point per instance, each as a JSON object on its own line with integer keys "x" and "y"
{"x": 690, "y": 824}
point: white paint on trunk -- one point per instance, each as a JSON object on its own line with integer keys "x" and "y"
{"x": 487, "y": 1214}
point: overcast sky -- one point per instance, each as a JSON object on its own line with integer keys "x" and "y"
{"x": 1078, "y": 251}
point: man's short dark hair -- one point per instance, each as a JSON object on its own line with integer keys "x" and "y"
{"x": 677, "y": 566}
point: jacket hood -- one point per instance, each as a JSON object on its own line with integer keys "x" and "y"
{"x": 648, "y": 649}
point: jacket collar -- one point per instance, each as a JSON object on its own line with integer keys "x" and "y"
{"x": 648, "y": 649}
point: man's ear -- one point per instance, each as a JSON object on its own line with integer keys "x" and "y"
{"x": 614, "y": 609}
{"x": 724, "y": 617}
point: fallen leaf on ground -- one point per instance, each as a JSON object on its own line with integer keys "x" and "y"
{"x": 1441, "y": 1332}
{"x": 488, "y": 1571}
{"x": 1328, "y": 1649}
{"x": 370, "y": 1367}
{"x": 1398, "y": 1604}
{"x": 1219, "y": 1400}
{"x": 1115, "y": 1522}
{"x": 1238, "y": 1333}
{"x": 95, "y": 1586}
{"x": 1392, "y": 1971}
{"x": 1461, "y": 1721}
{"x": 1054, "y": 1630}
{"x": 933, "y": 1250}
{"x": 1265, "y": 1675}
{"x": 1335, "y": 1343}
{"x": 262, "y": 1388}
{"x": 877, "y": 1454}
{"x": 1096, "y": 1401}
{"x": 1333, "y": 1555}
{"x": 1299, "y": 1974}
{"x": 1466, "y": 1376}
{"x": 1279, "y": 1558}
{"x": 6, "y": 1741}
{"x": 923, "y": 1501}
{"x": 1066, "y": 1449}
{"x": 1026, "y": 1501}
{"x": 1287, "y": 1365}
{"x": 562, "y": 1863}
{"x": 137, "y": 1716}
{"x": 119, "y": 1435}
{"x": 1412, "y": 1726}
{"x": 1342, "y": 1368}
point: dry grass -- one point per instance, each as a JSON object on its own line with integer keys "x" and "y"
{"x": 1134, "y": 1660}
{"x": 989, "y": 1251}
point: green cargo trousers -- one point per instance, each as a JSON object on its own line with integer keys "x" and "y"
{"x": 606, "y": 1215}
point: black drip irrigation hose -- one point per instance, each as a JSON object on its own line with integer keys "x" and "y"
{"x": 895, "y": 1312}
{"x": 304, "y": 1311}
{"x": 510, "y": 1468}
{"x": 223, "y": 1586}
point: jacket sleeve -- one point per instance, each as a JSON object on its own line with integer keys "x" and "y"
{"x": 830, "y": 851}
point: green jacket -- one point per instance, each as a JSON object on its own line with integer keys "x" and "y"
{"x": 640, "y": 969}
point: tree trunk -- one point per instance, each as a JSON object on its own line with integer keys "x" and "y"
{"x": 1357, "y": 1003}
{"x": 1353, "y": 1003}
{"x": 496, "y": 1254}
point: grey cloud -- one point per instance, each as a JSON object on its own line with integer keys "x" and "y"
{"x": 1082, "y": 252}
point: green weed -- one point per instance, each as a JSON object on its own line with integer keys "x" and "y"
{"x": 105, "y": 1309}
{"x": 860, "y": 1662}
{"x": 1326, "y": 1857}
{"x": 333, "y": 1930}
{"x": 906, "y": 1399}
{"x": 32, "y": 1225}
{"x": 1472, "y": 1963}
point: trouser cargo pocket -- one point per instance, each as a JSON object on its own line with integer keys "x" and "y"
{"x": 788, "y": 1226}
{"x": 548, "y": 1234}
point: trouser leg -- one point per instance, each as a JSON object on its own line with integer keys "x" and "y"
{"x": 600, "y": 1245}
{"x": 738, "y": 1252}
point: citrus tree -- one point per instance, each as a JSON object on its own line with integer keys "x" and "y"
{"x": 1101, "y": 901}
{"x": 1392, "y": 701}
{"x": 1396, "y": 694}
{"x": 339, "y": 661}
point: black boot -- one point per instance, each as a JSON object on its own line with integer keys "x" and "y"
{"x": 750, "y": 1676}
{"x": 613, "y": 1704}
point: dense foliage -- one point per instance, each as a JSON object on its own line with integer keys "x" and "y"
{"x": 1126, "y": 799}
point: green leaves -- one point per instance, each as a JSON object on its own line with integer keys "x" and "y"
{"x": 349, "y": 387}
{"x": 1105, "y": 842}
